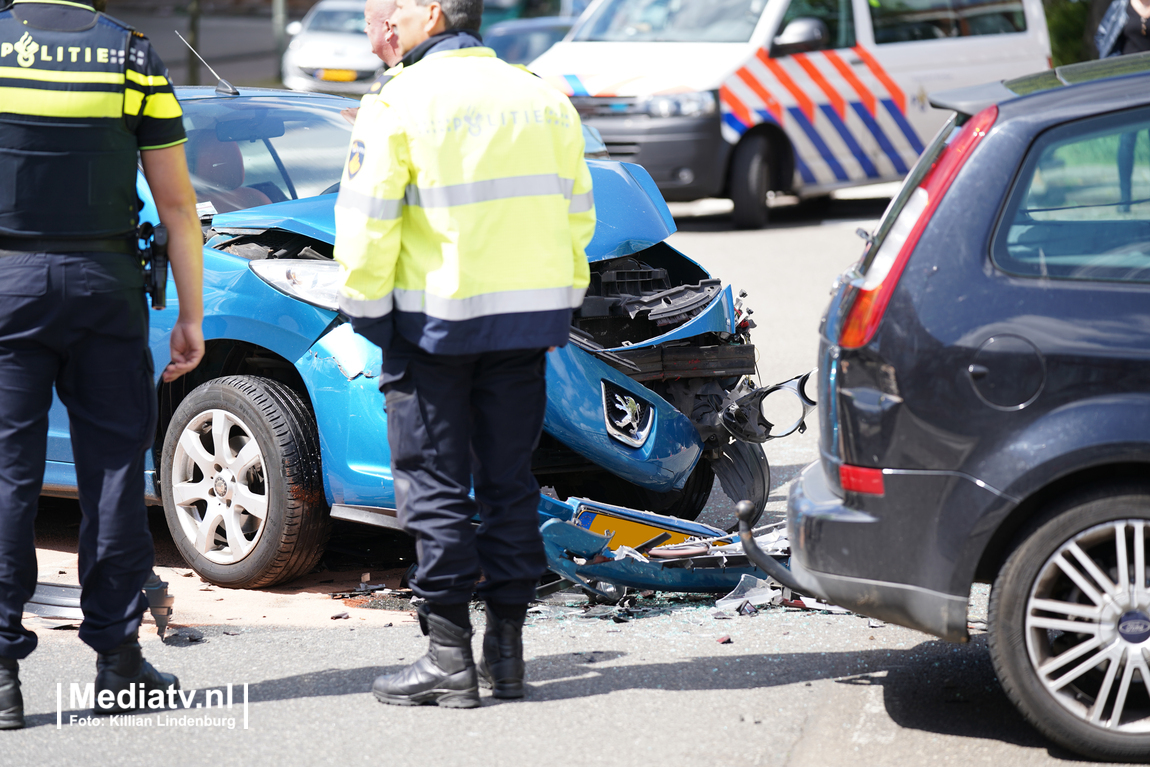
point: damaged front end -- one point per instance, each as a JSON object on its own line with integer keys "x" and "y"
{"x": 653, "y": 399}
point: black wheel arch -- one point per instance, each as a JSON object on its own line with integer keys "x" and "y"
{"x": 1034, "y": 510}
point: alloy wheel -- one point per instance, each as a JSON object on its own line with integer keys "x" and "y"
{"x": 219, "y": 486}
{"x": 1087, "y": 627}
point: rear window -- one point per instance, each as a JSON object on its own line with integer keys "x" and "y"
{"x": 1081, "y": 207}
{"x": 900, "y": 21}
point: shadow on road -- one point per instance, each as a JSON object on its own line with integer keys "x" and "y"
{"x": 935, "y": 687}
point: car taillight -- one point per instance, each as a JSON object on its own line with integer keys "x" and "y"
{"x": 881, "y": 278}
{"x": 860, "y": 479}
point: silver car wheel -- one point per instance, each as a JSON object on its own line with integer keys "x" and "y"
{"x": 1087, "y": 626}
{"x": 219, "y": 486}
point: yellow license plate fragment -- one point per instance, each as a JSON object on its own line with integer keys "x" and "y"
{"x": 337, "y": 75}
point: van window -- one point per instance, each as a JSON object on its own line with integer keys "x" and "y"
{"x": 1081, "y": 209}
{"x": 900, "y": 21}
{"x": 836, "y": 14}
{"x": 679, "y": 21}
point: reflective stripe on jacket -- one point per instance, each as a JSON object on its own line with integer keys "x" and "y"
{"x": 466, "y": 207}
{"x": 76, "y": 104}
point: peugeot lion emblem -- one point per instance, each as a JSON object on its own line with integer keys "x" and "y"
{"x": 628, "y": 417}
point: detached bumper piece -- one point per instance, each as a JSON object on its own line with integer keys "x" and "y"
{"x": 56, "y": 600}
{"x": 589, "y": 544}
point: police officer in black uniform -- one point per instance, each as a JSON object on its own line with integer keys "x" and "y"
{"x": 82, "y": 96}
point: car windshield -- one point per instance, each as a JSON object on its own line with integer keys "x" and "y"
{"x": 336, "y": 21}
{"x": 524, "y": 46}
{"x": 248, "y": 152}
{"x": 679, "y": 21}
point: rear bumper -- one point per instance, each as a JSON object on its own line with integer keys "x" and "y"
{"x": 666, "y": 147}
{"x": 887, "y": 565}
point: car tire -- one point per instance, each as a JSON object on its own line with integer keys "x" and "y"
{"x": 1051, "y": 583}
{"x": 215, "y": 484}
{"x": 750, "y": 182}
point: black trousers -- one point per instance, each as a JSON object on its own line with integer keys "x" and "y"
{"x": 78, "y": 321}
{"x": 454, "y": 421}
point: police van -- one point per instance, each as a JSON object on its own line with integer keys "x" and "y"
{"x": 740, "y": 98}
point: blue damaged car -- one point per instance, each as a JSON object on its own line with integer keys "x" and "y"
{"x": 281, "y": 429}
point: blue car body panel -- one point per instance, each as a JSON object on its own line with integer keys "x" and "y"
{"x": 630, "y": 212}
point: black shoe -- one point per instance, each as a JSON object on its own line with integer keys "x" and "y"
{"x": 11, "y": 700}
{"x": 124, "y": 670}
{"x": 445, "y": 676}
{"x": 501, "y": 665}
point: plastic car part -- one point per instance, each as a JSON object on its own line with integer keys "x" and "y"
{"x": 744, "y": 473}
{"x": 242, "y": 498}
{"x": 744, "y": 418}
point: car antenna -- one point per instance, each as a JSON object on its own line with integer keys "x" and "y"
{"x": 223, "y": 87}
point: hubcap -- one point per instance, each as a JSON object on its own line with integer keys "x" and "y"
{"x": 219, "y": 486}
{"x": 1088, "y": 626}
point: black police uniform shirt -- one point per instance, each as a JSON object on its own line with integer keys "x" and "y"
{"x": 80, "y": 94}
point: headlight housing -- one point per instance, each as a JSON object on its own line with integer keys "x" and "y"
{"x": 695, "y": 104}
{"x": 313, "y": 282}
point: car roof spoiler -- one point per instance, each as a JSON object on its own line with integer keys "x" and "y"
{"x": 972, "y": 100}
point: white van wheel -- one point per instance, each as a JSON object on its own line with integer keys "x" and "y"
{"x": 750, "y": 181}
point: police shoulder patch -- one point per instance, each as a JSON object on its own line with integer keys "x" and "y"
{"x": 355, "y": 159}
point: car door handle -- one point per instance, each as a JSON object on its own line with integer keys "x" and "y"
{"x": 978, "y": 371}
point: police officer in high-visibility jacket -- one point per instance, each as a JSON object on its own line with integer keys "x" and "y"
{"x": 462, "y": 221}
{"x": 80, "y": 95}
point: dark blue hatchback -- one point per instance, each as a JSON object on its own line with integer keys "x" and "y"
{"x": 984, "y": 395}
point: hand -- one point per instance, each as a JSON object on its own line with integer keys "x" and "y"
{"x": 349, "y": 114}
{"x": 187, "y": 349}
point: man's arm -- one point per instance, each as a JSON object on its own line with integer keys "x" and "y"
{"x": 167, "y": 173}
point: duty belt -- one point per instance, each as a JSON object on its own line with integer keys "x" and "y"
{"x": 11, "y": 246}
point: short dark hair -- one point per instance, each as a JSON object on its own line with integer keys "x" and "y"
{"x": 459, "y": 14}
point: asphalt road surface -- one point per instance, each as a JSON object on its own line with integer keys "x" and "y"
{"x": 790, "y": 687}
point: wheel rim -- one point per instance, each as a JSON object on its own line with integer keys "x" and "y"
{"x": 219, "y": 487}
{"x": 1088, "y": 626}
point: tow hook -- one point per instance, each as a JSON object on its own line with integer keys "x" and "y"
{"x": 746, "y": 513}
{"x": 768, "y": 412}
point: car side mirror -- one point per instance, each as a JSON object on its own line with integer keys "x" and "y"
{"x": 293, "y": 29}
{"x": 802, "y": 35}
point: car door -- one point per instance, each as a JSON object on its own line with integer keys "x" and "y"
{"x": 821, "y": 92}
{"x": 917, "y": 47}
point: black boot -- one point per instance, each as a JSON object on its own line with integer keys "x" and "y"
{"x": 124, "y": 669}
{"x": 11, "y": 701}
{"x": 445, "y": 676}
{"x": 501, "y": 665}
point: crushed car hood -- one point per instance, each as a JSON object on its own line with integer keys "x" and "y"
{"x": 631, "y": 214}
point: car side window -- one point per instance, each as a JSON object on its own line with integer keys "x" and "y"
{"x": 900, "y": 21}
{"x": 1081, "y": 207}
{"x": 836, "y": 14}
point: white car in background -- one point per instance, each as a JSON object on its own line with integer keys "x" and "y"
{"x": 329, "y": 50}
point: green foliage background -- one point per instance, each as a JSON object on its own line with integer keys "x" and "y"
{"x": 1069, "y": 22}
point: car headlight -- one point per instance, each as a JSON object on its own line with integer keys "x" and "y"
{"x": 313, "y": 282}
{"x": 697, "y": 104}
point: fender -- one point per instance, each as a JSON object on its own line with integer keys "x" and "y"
{"x": 1080, "y": 435}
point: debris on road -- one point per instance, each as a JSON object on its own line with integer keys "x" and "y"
{"x": 725, "y": 640}
{"x": 340, "y": 616}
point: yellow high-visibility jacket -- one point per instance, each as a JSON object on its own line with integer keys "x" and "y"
{"x": 465, "y": 208}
